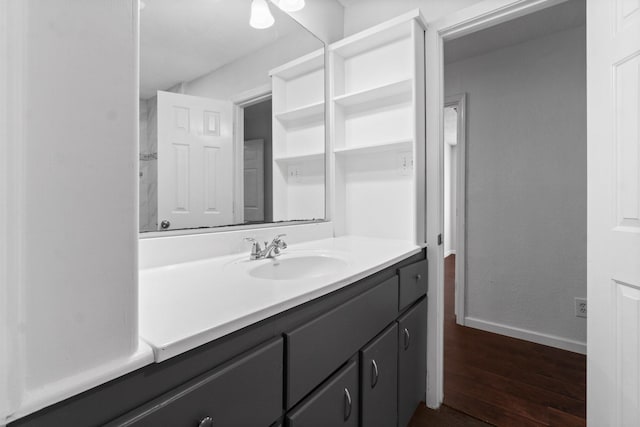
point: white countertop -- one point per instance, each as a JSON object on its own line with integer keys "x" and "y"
{"x": 183, "y": 306}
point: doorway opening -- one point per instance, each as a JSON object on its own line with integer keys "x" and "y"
{"x": 253, "y": 142}
{"x": 514, "y": 209}
{"x": 258, "y": 162}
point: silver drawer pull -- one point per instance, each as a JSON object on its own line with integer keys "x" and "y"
{"x": 374, "y": 373}
{"x": 347, "y": 404}
{"x": 418, "y": 276}
{"x": 407, "y": 338}
{"x": 206, "y": 422}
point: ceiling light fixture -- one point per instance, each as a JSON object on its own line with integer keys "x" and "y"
{"x": 261, "y": 16}
{"x": 289, "y": 5}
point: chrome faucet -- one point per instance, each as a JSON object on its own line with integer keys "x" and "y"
{"x": 271, "y": 250}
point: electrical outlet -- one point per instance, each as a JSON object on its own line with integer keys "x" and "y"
{"x": 295, "y": 173}
{"x": 581, "y": 307}
{"x": 405, "y": 163}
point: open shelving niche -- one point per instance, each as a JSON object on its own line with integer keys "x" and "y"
{"x": 299, "y": 138}
{"x": 377, "y": 130}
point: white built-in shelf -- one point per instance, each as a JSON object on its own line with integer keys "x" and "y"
{"x": 304, "y": 65}
{"x": 307, "y": 114}
{"x": 399, "y": 145}
{"x": 395, "y": 92}
{"x": 299, "y": 158}
{"x": 377, "y": 36}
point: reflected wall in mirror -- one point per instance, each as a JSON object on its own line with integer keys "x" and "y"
{"x": 232, "y": 126}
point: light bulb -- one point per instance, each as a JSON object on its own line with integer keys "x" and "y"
{"x": 290, "y": 5}
{"x": 260, "y": 15}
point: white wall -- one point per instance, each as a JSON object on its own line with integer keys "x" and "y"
{"x": 69, "y": 223}
{"x": 362, "y": 14}
{"x": 324, "y": 18}
{"x": 526, "y": 196}
{"x": 252, "y": 71}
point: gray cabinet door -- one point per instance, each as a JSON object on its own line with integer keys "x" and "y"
{"x": 379, "y": 380}
{"x": 412, "y": 361}
{"x": 247, "y": 391}
{"x": 334, "y": 404}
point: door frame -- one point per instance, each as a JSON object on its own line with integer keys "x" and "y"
{"x": 240, "y": 102}
{"x": 460, "y": 102}
{"x": 469, "y": 20}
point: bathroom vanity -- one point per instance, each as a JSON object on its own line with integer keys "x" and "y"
{"x": 333, "y": 331}
{"x": 354, "y": 356}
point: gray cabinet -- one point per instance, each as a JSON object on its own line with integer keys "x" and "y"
{"x": 318, "y": 348}
{"x": 352, "y": 339}
{"x": 334, "y": 404}
{"x": 222, "y": 397}
{"x": 412, "y": 360}
{"x": 379, "y": 380}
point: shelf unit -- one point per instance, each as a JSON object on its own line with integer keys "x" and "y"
{"x": 399, "y": 145}
{"x": 299, "y": 138}
{"x": 377, "y": 130}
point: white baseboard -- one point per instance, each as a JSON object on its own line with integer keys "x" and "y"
{"x": 527, "y": 335}
{"x": 451, "y": 252}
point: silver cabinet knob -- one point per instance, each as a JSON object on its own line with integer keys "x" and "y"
{"x": 418, "y": 276}
{"x": 165, "y": 224}
{"x": 206, "y": 422}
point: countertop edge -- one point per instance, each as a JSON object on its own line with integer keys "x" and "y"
{"x": 165, "y": 351}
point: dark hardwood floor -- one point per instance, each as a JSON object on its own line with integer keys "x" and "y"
{"x": 443, "y": 417}
{"x": 504, "y": 381}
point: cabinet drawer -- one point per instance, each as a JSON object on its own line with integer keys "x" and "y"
{"x": 253, "y": 380}
{"x": 412, "y": 361}
{"x": 413, "y": 283}
{"x": 379, "y": 380}
{"x": 334, "y": 404}
{"x": 318, "y": 348}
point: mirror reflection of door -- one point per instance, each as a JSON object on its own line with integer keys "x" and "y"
{"x": 195, "y": 161}
{"x": 233, "y": 63}
{"x": 258, "y": 179}
{"x": 254, "y": 180}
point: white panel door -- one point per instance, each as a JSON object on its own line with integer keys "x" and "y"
{"x": 254, "y": 180}
{"x": 613, "y": 113}
{"x": 195, "y": 161}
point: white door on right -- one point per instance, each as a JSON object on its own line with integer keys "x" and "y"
{"x": 613, "y": 116}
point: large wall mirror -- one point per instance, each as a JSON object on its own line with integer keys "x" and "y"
{"x": 232, "y": 126}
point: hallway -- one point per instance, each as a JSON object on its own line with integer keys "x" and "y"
{"x": 506, "y": 381}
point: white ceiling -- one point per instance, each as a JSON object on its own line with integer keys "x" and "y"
{"x": 564, "y": 16}
{"x": 184, "y": 39}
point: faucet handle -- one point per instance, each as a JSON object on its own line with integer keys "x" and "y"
{"x": 255, "y": 247}
{"x": 279, "y": 236}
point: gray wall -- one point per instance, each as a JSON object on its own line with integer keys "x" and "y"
{"x": 527, "y": 178}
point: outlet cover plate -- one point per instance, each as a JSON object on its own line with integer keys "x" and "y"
{"x": 581, "y": 307}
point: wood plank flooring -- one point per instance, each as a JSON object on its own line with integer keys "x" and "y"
{"x": 504, "y": 381}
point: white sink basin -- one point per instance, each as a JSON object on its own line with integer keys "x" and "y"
{"x": 298, "y": 267}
